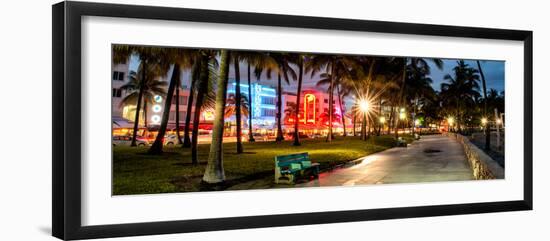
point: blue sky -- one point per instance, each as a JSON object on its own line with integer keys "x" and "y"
{"x": 493, "y": 71}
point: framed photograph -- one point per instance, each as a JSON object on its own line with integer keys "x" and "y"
{"x": 170, "y": 120}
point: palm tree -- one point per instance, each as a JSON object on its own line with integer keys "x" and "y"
{"x": 290, "y": 111}
{"x": 214, "y": 172}
{"x": 152, "y": 87}
{"x": 236, "y": 68}
{"x": 461, "y": 90}
{"x": 195, "y": 72}
{"x": 299, "y": 59}
{"x": 334, "y": 67}
{"x": 280, "y": 63}
{"x": 147, "y": 55}
{"x": 495, "y": 100}
{"x": 231, "y": 106}
{"x": 487, "y": 129}
{"x": 156, "y": 148}
{"x": 178, "y": 87}
{"x": 413, "y": 64}
{"x": 208, "y": 64}
{"x": 180, "y": 59}
{"x": 250, "y": 134}
{"x": 418, "y": 90}
{"x": 343, "y": 90}
{"x": 259, "y": 60}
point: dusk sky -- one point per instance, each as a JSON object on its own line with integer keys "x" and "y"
{"x": 493, "y": 70}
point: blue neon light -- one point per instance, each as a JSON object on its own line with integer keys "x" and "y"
{"x": 242, "y": 85}
{"x": 267, "y": 106}
{"x": 267, "y": 95}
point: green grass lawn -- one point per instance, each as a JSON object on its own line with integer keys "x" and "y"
{"x": 135, "y": 172}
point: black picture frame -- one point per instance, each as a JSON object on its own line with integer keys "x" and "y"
{"x": 66, "y": 59}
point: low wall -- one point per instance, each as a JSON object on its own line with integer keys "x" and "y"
{"x": 483, "y": 166}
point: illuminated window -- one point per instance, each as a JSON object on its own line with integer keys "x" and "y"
{"x": 268, "y": 112}
{"x": 268, "y": 100}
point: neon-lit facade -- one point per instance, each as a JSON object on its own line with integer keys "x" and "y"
{"x": 263, "y": 104}
{"x": 313, "y": 113}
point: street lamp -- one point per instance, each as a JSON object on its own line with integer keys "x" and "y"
{"x": 382, "y": 119}
{"x": 451, "y": 120}
{"x": 484, "y": 121}
{"x": 402, "y": 115}
{"x": 364, "y": 106}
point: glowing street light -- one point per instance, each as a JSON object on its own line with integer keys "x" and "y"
{"x": 484, "y": 121}
{"x": 417, "y": 122}
{"x": 499, "y": 121}
{"x": 364, "y": 106}
{"x": 382, "y": 119}
{"x": 451, "y": 120}
{"x": 402, "y": 116}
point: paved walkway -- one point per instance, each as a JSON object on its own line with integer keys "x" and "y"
{"x": 431, "y": 159}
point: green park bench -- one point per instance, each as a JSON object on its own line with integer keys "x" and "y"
{"x": 289, "y": 167}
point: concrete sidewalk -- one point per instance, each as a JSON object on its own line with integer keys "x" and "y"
{"x": 431, "y": 159}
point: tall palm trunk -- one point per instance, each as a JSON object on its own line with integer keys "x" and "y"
{"x": 390, "y": 121}
{"x": 342, "y": 111}
{"x": 401, "y": 100}
{"x": 354, "y": 121}
{"x": 178, "y": 86}
{"x": 140, "y": 97}
{"x": 203, "y": 88}
{"x": 380, "y": 124}
{"x": 364, "y": 127}
{"x": 156, "y": 148}
{"x": 145, "y": 113}
{"x": 298, "y": 98}
{"x": 330, "y": 105}
{"x": 186, "y": 138}
{"x": 250, "y": 134}
{"x": 487, "y": 129}
{"x": 238, "y": 104}
{"x": 369, "y": 127}
{"x": 279, "y": 109}
{"x": 457, "y": 115}
{"x": 413, "y": 117}
{"x": 214, "y": 172}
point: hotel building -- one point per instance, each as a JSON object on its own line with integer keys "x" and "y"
{"x": 313, "y": 116}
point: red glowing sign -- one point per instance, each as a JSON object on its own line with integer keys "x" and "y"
{"x": 309, "y": 109}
